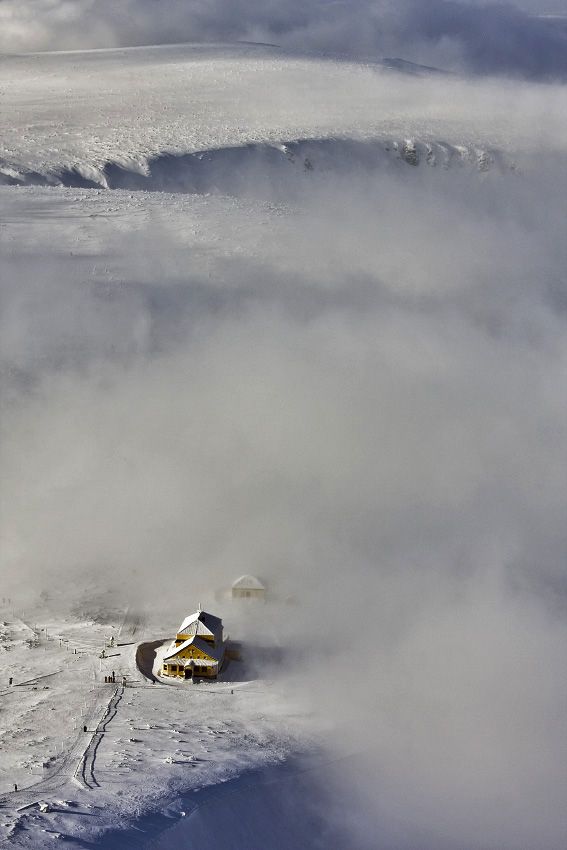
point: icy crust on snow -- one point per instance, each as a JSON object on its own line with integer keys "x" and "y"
{"x": 90, "y": 115}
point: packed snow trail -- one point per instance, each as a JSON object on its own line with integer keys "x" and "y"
{"x": 85, "y": 769}
{"x": 145, "y": 658}
{"x": 67, "y": 767}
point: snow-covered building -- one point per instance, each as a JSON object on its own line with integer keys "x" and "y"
{"x": 248, "y": 587}
{"x": 198, "y": 649}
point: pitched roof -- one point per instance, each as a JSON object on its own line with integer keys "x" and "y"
{"x": 199, "y": 628}
{"x": 214, "y": 652}
{"x": 248, "y": 583}
{"x": 194, "y": 662}
{"x": 201, "y": 622}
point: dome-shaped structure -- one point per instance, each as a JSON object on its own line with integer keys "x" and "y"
{"x": 248, "y": 587}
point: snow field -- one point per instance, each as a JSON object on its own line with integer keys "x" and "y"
{"x": 55, "y": 691}
{"x": 156, "y": 741}
{"x": 79, "y": 112}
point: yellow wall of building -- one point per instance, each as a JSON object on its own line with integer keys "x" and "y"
{"x": 181, "y": 638}
{"x": 193, "y": 652}
{"x": 207, "y": 672}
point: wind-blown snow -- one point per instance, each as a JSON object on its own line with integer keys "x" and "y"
{"x": 81, "y": 111}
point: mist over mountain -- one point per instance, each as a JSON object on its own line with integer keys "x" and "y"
{"x": 365, "y": 406}
{"x": 485, "y": 38}
{"x": 295, "y": 312}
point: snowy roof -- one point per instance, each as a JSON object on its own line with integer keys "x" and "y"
{"x": 199, "y": 628}
{"x": 214, "y": 652}
{"x": 192, "y": 662}
{"x": 201, "y": 622}
{"x": 248, "y": 583}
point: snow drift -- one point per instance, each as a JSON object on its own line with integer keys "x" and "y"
{"x": 261, "y": 170}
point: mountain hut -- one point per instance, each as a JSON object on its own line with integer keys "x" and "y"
{"x": 248, "y": 587}
{"x": 198, "y": 650}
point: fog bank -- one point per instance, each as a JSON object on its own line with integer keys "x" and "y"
{"x": 358, "y": 393}
{"x": 475, "y": 36}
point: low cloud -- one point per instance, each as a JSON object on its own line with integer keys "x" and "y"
{"x": 356, "y": 391}
{"x": 479, "y": 37}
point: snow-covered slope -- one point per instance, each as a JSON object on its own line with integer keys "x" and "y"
{"x": 263, "y": 169}
{"x": 79, "y": 113}
{"x": 89, "y": 756}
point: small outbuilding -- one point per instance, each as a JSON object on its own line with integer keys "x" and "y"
{"x": 248, "y": 587}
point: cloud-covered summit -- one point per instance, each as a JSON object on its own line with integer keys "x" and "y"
{"x": 482, "y": 38}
